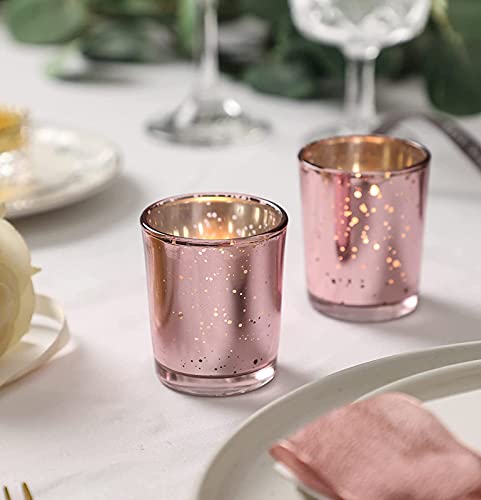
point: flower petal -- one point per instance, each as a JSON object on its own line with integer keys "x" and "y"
{"x": 24, "y": 317}
{"x": 9, "y": 306}
{"x": 14, "y": 253}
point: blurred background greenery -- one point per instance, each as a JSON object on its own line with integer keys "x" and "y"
{"x": 280, "y": 61}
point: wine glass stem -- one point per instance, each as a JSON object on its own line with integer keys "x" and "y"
{"x": 360, "y": 107}
{"x": 208, "y": 57}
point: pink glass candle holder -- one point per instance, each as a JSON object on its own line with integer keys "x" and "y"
{"x": 364, "y": 201}
{"x": 214, "y": 273}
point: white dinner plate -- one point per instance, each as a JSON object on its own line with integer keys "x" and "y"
{"x": 452, "y": 393}
{"x": 243, "y": 469}
{"x": 66, "y": 166}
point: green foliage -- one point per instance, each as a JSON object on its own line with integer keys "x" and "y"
{"x": 272, "y": 11}
{"x": 46, "y": 21}
{"x": 164, "y": 9}
{"x": 446, "y": 55}
{"x": 285, "y": 78}
{"x": 453, "y": 69}
{"x": 124, "y": 39}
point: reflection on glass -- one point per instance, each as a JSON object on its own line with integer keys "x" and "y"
{"x": 360, "y": 28}
{"x": 206, "y": 117}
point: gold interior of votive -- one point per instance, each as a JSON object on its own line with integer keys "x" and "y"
{"x": 213, "y": 217}
{"x": 364, "y": 153}
{"x": 13, "y": 122}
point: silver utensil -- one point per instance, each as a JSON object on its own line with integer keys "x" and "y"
{"x": 465, "y": 141}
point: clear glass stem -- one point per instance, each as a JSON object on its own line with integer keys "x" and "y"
{"x": 209, "y": 48}
{"x": 360, "y": 106}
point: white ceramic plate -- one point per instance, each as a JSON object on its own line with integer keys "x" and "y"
{"x": 452, "y": 393}
{"x": 66, "y": 166}
{"x": 243, "y": 469}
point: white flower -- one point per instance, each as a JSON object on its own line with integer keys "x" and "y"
{"x": 17, "y": 298}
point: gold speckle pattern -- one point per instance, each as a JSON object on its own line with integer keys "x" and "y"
{"x": 215, "y": 261}
{"x": 363, "y": 207}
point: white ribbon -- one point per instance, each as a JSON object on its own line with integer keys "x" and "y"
{"x": 38, "y": 345}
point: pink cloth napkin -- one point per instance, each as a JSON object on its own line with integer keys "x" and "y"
{"x": 385, "y": 448}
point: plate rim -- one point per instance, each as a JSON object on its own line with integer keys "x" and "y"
{"x": 453, "y": 350}
{"x": 44, "y": 205}
{"x": 423, "y": 376}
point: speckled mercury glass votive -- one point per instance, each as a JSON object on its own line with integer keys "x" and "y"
{"x": 214, "y": 272}
{"x": 364, "y": 201}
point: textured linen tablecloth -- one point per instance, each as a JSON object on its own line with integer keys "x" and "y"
{"x": 96, "y": 424}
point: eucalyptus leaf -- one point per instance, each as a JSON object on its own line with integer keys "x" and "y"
{"x": 297, "y": 68}
{"x": 415, "y": 53}
{"x": 453, "y": 82}
{"x": 229, "y": 9}
{"x": 453, "y": 67}
{"x": 464, "y": 17}
{"x": 46, "y": 21}
{"x": 163, "y": 9}
{"x": 322, "y": 59}
{"x": 288, "y": 79}
{"x": 391, "y": 62}
{"x": 271, "y": 10}
{"x": 129, "y": 40}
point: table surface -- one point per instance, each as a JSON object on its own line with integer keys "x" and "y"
{"x": 96, "y": 423}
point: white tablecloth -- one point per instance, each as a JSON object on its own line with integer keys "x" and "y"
{"x": 95, "y": 423}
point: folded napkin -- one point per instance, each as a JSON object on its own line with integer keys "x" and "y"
{"x": 388, "y": 447}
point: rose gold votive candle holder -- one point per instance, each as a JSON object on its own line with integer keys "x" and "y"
{"x": 214, "y": 273}
{"x": 364, "y": 203}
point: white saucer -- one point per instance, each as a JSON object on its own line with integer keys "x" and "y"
{"x": 66, "y": 166}
{"x": 243, "y": 469}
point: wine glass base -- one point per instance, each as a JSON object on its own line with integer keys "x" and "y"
{"x": 208, "y": 122}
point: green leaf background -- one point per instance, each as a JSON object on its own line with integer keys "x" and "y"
{"x": 446, "y": 55}
{"x": 46, "y": 21}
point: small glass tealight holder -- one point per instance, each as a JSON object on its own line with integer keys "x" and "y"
{"x": 364, "y": 206}
{"x": 214, "y": 272}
